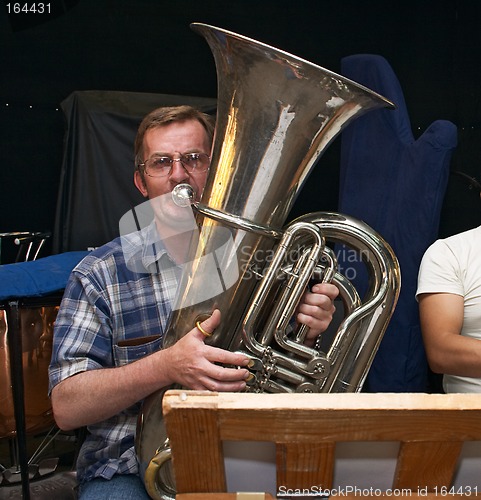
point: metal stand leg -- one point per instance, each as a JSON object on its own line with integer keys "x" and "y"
{"x": 16, "y": 364}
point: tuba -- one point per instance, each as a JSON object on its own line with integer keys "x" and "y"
{"x": 276, "y": 115}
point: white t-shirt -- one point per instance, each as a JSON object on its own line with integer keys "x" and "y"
{"x": 453, "y": 265}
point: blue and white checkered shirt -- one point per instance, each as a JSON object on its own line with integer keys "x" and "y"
{"x": 119, "y": 292}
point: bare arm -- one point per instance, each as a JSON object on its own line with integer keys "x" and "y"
{"x": 96, "y": 395}
{"x": 448, "y": 352}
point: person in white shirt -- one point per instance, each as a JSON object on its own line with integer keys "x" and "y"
{"x": 449, "y": 295}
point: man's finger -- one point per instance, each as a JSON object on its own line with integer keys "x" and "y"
{"x": 208, "y": 326}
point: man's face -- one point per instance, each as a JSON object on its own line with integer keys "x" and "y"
{"x": 173, "y": 140}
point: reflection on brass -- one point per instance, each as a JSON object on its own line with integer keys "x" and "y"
{"x": 36, "y": 327}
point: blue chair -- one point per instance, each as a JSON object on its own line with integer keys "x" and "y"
{"x": 396, "y": 184}
{"x": 30, "y": 293}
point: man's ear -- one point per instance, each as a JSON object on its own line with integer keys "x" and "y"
{"x": 140, "y": 183}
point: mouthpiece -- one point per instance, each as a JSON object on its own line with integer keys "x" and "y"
{"x": 183, "y": 195}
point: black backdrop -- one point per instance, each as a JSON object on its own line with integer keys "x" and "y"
{"x": 434, "y": 46}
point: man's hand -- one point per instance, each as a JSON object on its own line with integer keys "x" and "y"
{"x": 196, "y": 365}
{"x": 316, "y": 310}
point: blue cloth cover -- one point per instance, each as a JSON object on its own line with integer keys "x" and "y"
{"x": 396, "y": 184}
{"x": 39, "y": 277}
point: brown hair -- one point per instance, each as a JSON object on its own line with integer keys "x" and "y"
{"x": 170, "y": 114}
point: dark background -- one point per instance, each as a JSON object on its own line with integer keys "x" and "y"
{"x": 434, "y": 47}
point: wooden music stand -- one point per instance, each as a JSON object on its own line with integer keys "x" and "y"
{"x": 431, "y": 430}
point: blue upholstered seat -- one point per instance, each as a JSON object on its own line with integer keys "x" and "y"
{"x": 37, "y": 278}
{"x": 396, "y": 184}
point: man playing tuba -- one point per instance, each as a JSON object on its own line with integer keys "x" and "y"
{"x": 107, "y": 354}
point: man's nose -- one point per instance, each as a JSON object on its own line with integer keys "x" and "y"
{"x": 178, "y": 171}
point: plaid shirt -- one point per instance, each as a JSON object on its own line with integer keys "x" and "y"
{"x": 121, "y": 291}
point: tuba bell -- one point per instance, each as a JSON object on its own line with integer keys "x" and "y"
{"x": 276, "y": 115}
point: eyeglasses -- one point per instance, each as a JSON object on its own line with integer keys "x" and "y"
{"x": 160, "y": 166}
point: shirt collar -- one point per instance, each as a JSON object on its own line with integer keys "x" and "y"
{"x": 144, "y": 249}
